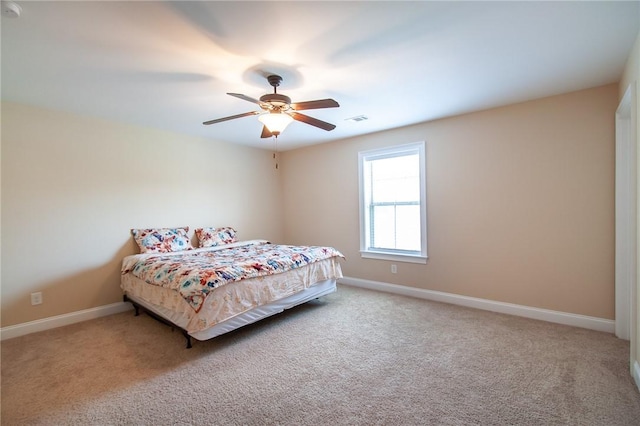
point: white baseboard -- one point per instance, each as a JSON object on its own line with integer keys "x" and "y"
{"x": 583, "y": 321}
{"x": 636, "y": 373}
{"x": 575, "y": 320}
{"x": 17, "y": 330}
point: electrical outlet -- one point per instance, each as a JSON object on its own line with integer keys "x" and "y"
{"x": 36, "y": 298}
{"x": 394, "y": 269}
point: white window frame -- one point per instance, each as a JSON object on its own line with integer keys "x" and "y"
{"x": 393, "y": 255}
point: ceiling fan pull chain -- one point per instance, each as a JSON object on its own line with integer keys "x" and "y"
{"x": 275, "y": 150}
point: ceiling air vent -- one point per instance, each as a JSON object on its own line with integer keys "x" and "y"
{"x": 357, "y": 118}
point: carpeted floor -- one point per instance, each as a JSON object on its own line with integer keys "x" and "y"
{"x": 356, "y": 357}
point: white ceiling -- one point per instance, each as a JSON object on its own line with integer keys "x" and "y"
{"x": 169, "y": 65}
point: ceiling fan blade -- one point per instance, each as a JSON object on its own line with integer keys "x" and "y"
{"x": 313, "y": 121}
{"x": 231, "y": 117}
{"x": 265, "y": 132}
{"x": 245, "y": 97}
{"x": 320, "y": 103}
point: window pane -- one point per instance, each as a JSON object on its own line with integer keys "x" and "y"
{"x": 395, "y": 179}
{"x": 408, "y": 227}
{"x": 396, "y": 227}
{"x": 383, "y": 226}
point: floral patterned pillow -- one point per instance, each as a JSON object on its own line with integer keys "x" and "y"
{"x": 210, "y": 237}
{"x": 162, "y": 240}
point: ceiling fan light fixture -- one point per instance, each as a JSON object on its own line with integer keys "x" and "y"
{"x": 276, "y": 122}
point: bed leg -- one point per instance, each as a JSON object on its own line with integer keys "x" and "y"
{"x": 135, "y": 305}
{"x": 186, "y": 335}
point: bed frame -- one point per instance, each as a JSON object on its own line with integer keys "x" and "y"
{"x": 157, "y": 317}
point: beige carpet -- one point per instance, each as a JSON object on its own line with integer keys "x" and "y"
{"x": 356, "y": 357}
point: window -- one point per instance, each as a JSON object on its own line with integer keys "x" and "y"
{"x": 393, "y": 213}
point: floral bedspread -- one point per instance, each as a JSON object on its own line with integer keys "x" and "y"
{"x": 194, "y": 274}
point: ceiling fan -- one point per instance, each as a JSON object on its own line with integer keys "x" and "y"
{"x": 278, "y": 111}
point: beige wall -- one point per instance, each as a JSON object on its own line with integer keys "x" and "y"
{"x": 73, "y": 187}
{"x": 520, "y": 203}
{"x": 631, "y": 76}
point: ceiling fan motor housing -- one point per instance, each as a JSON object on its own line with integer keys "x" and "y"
{"x": 276, "y": 99}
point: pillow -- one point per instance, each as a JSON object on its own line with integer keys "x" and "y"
{"x": 162, "y": 240}
{"x": 210, "y": 237}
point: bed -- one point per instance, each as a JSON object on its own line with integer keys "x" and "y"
{"x": 208, "y": 291}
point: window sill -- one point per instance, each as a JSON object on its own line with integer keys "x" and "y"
{"x": 394, "y": 257}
